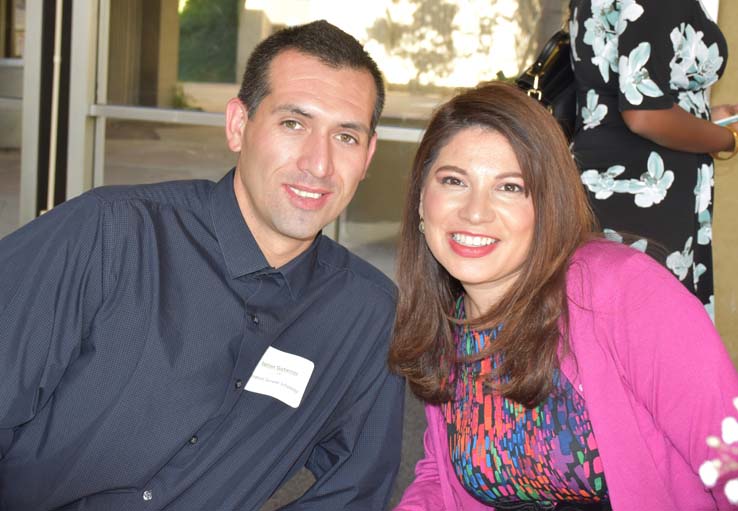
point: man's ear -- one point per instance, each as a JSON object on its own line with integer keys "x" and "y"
{"x": 370, "y": 153}
{"x": 236, "y": 119}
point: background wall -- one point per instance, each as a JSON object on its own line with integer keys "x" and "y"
{"x": 725, "y": 227}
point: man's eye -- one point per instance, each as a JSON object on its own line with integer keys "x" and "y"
{"x": 347, "y": 139}
{"x": 291, "y": 124}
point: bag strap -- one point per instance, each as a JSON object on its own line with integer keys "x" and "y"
{"x": 552, "y": 45}
{"x": 549, "y": 50}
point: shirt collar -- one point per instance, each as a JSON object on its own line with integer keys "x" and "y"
{"x": 241, "y": 252}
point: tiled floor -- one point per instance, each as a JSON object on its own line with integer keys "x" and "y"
{"x": 162, "y": 153}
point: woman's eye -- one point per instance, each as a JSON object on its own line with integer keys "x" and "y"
{"x": 450, "y": 180}
{"x": 512, "y": 187}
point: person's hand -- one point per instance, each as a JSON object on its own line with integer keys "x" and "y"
{"x": 723, "y": 111}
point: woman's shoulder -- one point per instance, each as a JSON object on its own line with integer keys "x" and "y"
{"x": 601, "y": 271}
{"x": 607, "y": 256}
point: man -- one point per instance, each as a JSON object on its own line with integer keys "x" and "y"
{"x": 192, "y": 345}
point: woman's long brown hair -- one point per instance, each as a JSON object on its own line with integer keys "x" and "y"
{"x": 533, "y": 312}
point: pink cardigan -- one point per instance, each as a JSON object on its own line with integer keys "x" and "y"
{"x": 655, "y": 377}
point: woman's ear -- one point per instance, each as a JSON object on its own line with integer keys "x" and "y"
{"x": 236, "y": 119}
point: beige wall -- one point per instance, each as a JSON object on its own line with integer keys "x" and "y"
{"x": 725, "y": 226}
{"x": 253, "y": 27}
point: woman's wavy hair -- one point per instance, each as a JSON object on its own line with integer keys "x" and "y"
{"x": 534, "y": 311}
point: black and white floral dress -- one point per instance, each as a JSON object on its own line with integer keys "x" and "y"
{"x": 647, "y": 54}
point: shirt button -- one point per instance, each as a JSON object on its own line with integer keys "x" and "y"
{"x": 238, "y": 384}
{"x": 255, "y": 319}
{"x": 193, "y": 440}
{"x": 147, "y": 495}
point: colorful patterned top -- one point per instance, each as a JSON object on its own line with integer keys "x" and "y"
{"x": 504, "y": 453}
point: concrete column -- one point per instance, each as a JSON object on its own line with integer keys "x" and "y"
{"x": 3, "y": 26}
{"x": 124, "y": 53}
{"x": 253, "y": 26}
{"x": 144, "y": 52}
{"x": 168, "y": 53}
{"x": 159, "y": 52}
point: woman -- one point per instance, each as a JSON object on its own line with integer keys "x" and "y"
{"x": 643, "y": 136}
{"x": 560, "y": 371}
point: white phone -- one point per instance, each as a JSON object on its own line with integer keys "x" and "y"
{"x": 727, "y": 120}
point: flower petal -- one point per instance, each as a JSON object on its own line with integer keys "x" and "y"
{"x": 640, "y": 55}
{"x": 649, "y": 88}
{"x": 709, "y": 472}
{"x": 731, "y": 491}
{"x": 730, "y": 430}
{"x": 655, "y": 165}
{"x": 640, "y": 245}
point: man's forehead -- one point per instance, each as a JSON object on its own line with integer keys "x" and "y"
{"x": 290, "y": 62}
{"x": 305, "y": 84}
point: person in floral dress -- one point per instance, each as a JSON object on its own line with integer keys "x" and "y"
{"x": 643, "y": 137}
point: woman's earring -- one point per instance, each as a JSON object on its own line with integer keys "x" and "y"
{"x": 421, "y": 226}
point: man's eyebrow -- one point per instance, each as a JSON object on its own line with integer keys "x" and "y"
{"x": 297, "y": 110}
{"x": 356, "y": 126}
{"x": 293, "y": 109}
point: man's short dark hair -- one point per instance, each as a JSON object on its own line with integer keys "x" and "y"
{"x": 318, "y": 39}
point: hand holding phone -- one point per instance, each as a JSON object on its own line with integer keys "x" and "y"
{"x": 727, "y": 120}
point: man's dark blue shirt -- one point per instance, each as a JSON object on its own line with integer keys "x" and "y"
{"x": 131, "y": 322}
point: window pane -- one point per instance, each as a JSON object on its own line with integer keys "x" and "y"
{"x": 12, "y": 29}
{"x": 9, "y": 180}
{"x": 11, "y": 84}
{"x": 147, "y": 152}
{"x": 371, "y": 223}
{"x": 191, "y": 53}
{"x": 18, "y": 37}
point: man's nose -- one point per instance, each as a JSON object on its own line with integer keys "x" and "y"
{"x": 316, "y": 157}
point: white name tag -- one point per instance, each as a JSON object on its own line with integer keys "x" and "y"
{"x": 281, "y": 375}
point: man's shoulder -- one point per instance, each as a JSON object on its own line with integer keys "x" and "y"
{"x": 185, "y": 193}
{"x": 366, "y": 278}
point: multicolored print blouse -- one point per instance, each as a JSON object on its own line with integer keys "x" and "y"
{"x": 504, "y": 453}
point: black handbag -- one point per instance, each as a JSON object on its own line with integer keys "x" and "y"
{"x": 550, "y": 80}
